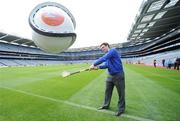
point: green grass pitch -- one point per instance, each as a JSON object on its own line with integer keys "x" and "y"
{"x": 41, "y": 94}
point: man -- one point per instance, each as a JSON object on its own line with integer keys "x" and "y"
{"x": 178, "y": 63}
{"x": 163, "y": 62}
{"x": 115, "y": 77}
{"x": 154, "y": 63}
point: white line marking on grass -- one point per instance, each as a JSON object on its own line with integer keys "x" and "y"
{"x": 74, "y": 104}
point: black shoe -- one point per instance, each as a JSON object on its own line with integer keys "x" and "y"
{"x": 103, "y": 107}
{"x": 118, "y": 113}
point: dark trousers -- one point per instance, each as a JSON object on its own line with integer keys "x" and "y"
{"x": 119, "y": 82}
{"x": 178, "y": 64}
{"x": 175, "y": 65}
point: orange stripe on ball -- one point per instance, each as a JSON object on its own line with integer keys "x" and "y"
{"x": 52, "y": 19}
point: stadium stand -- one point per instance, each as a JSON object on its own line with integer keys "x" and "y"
{"x": 155, "y": 34}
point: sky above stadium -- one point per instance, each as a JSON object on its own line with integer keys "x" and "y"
{"x": 97, "y": 21}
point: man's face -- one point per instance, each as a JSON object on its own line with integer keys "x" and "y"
{"x": 104, "y": 48}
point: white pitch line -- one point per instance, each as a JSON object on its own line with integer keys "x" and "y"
{"x": 76, "y": 105}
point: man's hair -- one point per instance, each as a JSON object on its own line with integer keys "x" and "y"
{"x": 105, "y": 43}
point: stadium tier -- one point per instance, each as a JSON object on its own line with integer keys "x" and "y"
{"x": 155, "y": 35}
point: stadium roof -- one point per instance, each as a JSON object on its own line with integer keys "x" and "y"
{"x": 155, "y": 18}
{"x": 12, "y": 39}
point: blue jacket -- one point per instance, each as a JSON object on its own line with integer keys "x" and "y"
{"x": 112, "y": 62}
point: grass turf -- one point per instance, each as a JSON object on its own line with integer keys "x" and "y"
{"x": 151, "y": 93}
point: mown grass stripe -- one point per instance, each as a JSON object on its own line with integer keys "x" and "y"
{"x": 74, "y": 104}
{"x": 155, "y": 74}
{"x": 154, "y": 97}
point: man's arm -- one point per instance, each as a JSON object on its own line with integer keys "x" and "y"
{"x": 103, "y": 66}
{"x": 105, "y": 57}
{"x": 92, "y": 67}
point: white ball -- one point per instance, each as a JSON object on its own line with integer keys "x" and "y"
{"x": 53, "y": 27}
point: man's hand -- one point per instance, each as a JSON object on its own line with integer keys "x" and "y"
{"x": 92, "y": 67}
